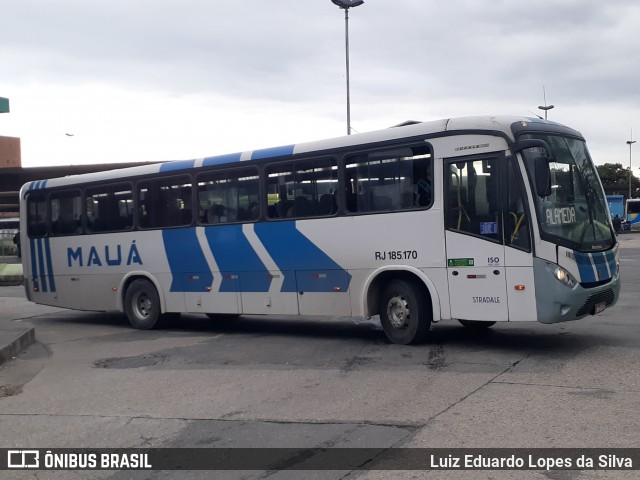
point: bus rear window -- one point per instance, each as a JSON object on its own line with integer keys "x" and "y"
{"x": 37, "y": 215}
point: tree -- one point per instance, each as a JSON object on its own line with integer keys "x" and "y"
{"x": 615, "y": 180}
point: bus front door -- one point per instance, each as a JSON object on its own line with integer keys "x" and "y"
{"x": 475, "y": 252}
{"x": 477, "y": 278}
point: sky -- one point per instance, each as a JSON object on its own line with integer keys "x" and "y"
{"x": 105, "y": 81}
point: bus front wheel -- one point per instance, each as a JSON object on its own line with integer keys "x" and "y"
{"x": 142, "y": 305}
{"x": 405, "y": 313}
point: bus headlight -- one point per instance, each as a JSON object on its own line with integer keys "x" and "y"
{"x": 563, "y": 276}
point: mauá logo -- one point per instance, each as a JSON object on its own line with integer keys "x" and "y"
{"x": 110, "y": 255}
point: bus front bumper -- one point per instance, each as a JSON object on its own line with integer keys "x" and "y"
{"x": 556, "y": 302}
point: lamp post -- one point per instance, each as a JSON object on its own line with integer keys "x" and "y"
{"x": 545, "y": 107}
{"x": 346, "y": 5}
{"x": 630, "y": 142}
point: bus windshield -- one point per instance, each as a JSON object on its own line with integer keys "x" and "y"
{"x": 574, "y": 214}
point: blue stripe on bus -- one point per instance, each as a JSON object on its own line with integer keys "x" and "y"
{"x": 37, "y": 185}
{"x": 293, "y": 252}
{"x": 47, "y": 249}
{"x": 34, "y": 265}
{"x": 220, "y": 159}
{"x": 286, "y": 150}
{"x": 189, "y": 269}
{"x": 40, "y": 253}
{"x": 177, "y": 165}
{"x": 236, "y": 258}
{"x": 42, "y": 265}
{"x": 585, "y": 267}
{"x": 595, "y": 267}
{"x": 611, "y": 263}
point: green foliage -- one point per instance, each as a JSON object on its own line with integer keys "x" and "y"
{"x": 615, "y": 180}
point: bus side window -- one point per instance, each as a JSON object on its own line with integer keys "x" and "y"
{"x": 389, "y": 180}
{"x": 228, "y": 196}
{"x": 109, "y": 208}
{"x": 165, "y": 202}
{"x": 302, "y": 190}
{"x": 66, "y": 213}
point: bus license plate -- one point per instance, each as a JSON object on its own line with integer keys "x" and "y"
{"x": 600, "y": 307}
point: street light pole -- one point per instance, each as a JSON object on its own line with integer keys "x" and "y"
{"x": 346, "y": 5}
{"x": 630, "y": 142}
{"x": 545, "y": 107}
{"x": 346, "y": 43}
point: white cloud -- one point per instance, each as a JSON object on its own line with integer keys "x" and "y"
{"x": 171, "y": 79}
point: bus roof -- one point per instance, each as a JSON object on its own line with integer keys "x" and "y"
{"x": 498, "y": 125}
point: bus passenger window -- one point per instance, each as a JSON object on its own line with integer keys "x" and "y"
{"x": 165, "y": 202}
{"x": 109, "y": 208}
{"x": 66, "y": 213}
{"x": 228, "y": 196}
{"x": 389, "y": 180}
{"x": 301, "y": 190}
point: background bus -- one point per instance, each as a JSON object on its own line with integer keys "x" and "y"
{"x": 633, "y": 211}
{"x": 478, "y": 219}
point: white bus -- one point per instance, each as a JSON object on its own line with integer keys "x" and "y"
{"x": 479, "y": 219}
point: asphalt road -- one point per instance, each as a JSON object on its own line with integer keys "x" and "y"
{"x": 91, "y": 380}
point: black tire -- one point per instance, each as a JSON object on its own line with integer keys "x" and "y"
{"x": 405, "y": 313}
{"x": 142, "y": 305}
{"x": 477, "y": 324}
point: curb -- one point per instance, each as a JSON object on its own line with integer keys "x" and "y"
{"x": 13, "y": 342}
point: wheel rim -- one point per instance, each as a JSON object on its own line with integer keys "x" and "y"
{"x": 143, "y": 305}
{"x": 398, "y": 312}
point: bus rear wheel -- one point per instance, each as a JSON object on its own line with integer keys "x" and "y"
{"x": 477, "y": 324}
{"x": 142, "y": 305}
{"x": 405, "y": 313}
